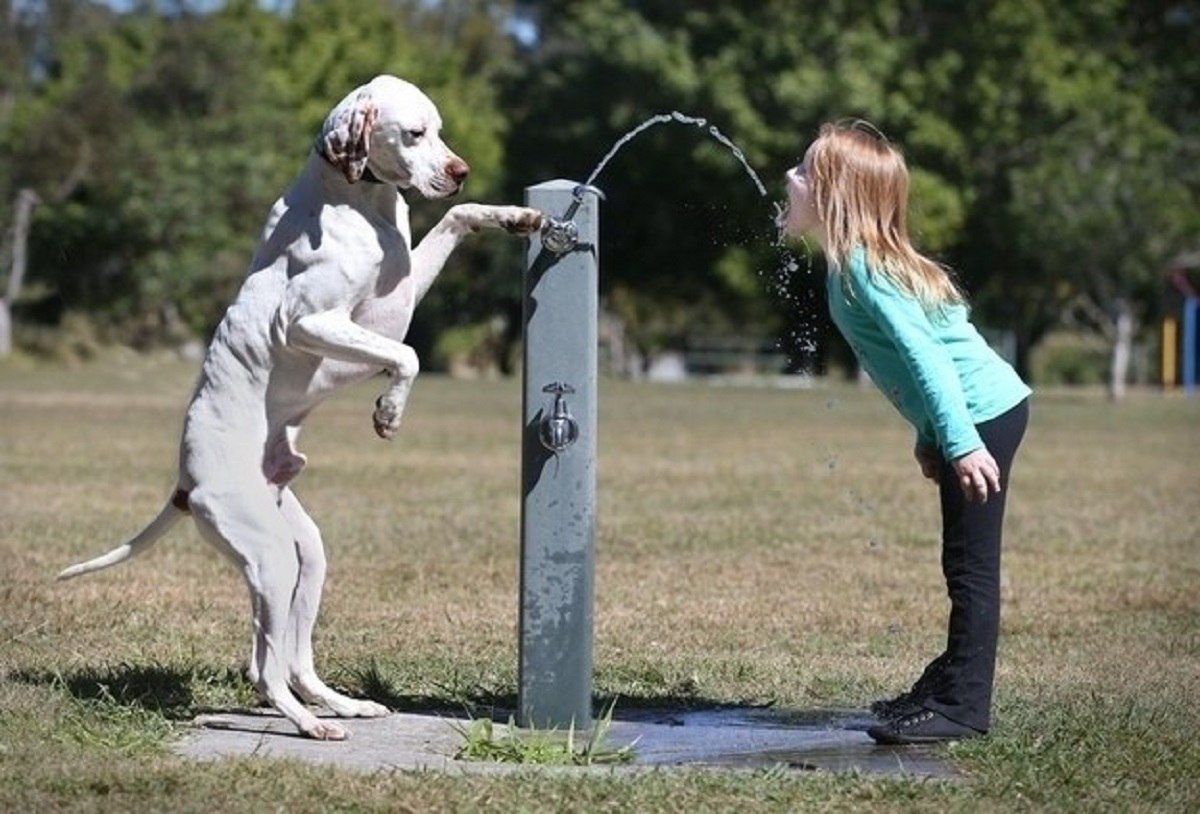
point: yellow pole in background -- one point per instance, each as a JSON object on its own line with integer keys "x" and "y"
{"x": 1170, "y": 329}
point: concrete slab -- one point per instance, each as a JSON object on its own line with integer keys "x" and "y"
{"x": 399, "y": 741}
{"x": 729, "y": 738}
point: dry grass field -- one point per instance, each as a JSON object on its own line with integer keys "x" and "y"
{"x": 755, "y": 546}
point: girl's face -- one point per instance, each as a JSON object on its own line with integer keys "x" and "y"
{"x": 800, "y": 218}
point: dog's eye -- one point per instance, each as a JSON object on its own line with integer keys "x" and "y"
{"x": 415, "y": 135}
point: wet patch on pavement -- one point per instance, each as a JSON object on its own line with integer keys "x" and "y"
{"x": 733, "y": 738}
{"x": 763, "y": 737}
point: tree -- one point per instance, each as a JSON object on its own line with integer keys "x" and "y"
{"x": 27, "y": 199}
{"x": 188, "y": 155}
{"x": 196, "y": 121}
{"x": 1104, "y": 204}
{"x": 55, "y": 166}
{"x": 1082, "y": 183}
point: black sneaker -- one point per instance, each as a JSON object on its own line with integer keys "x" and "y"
{"x": 912, "y": 699}
{"x": 924, "y": 726}
{"x": 903, "y": 704}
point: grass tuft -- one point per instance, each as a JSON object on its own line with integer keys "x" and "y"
{"x": 542, "y": 747}
{"x": 105, "y": 724}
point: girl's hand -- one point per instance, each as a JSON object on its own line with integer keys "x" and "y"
{"x": 978, "y": 474}
{"x": 929, "y": 460}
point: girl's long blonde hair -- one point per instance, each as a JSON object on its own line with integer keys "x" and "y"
{"x": 859, "y": 185}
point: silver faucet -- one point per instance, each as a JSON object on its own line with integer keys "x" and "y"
{"x": 561, "y": 235}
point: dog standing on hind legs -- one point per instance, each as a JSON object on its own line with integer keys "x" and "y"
{"x": 327, "y": 302}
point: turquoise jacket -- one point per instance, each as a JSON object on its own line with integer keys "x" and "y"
{"x": 934, "y": 367}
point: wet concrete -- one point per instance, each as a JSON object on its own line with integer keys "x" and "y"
{"x": 735, "y": 738}
{"x": 762, "y": 737}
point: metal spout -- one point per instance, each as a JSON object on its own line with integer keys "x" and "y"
{"x": 561, "y": 235}
{"x": 558, "y": 430}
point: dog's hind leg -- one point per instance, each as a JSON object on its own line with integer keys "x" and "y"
{"x": 245, "y": 522}
{"x": 302, "y": 616}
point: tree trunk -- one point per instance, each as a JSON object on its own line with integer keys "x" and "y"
{"x": 27, "y": 199}
{"x": 612, "y": 335}
{"x": 1122, "y": 350}
{"x": 5, "y": 330}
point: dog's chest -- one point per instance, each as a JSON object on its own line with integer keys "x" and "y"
{"x": 393, "y": 274}
{"x": 392, "y": 234}
{"x": 388, "y": 307}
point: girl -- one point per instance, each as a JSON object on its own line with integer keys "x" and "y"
{"x": 907, "y": 323}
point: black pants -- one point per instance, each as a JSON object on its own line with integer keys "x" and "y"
{"x": 971, "y": 564}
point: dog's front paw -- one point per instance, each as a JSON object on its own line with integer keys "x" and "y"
{"x": 520, "y": 220}
{"x": 387, "y": 417}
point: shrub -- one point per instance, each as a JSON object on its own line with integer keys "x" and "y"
{"x": 1071, "y": 358}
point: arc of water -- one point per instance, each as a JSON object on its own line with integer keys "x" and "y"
{"x": 681, "y": 118}
{"x": 781, "y": 284}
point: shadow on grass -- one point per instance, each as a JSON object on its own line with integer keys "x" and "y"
{"x": 671, "y": 706}
{"x": 460, "y": 697}
{"x": 175, "y": 692}
{"x": 181, "y": 692}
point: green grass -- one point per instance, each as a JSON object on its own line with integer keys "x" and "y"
{"x": 545, "y": 747}
{"x": 755, "y": 546}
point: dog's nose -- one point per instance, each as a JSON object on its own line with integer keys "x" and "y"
{"x": 458, "y": 170}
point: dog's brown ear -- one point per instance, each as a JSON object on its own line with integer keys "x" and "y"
{"x": 346, "y": 137}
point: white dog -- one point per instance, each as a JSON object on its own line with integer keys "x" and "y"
{"x": 327, "y": 302}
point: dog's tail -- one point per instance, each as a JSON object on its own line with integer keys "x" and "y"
{"x": 171, "y": 513}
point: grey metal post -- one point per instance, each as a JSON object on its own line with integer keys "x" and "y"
{"x": 558, "y": 467}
